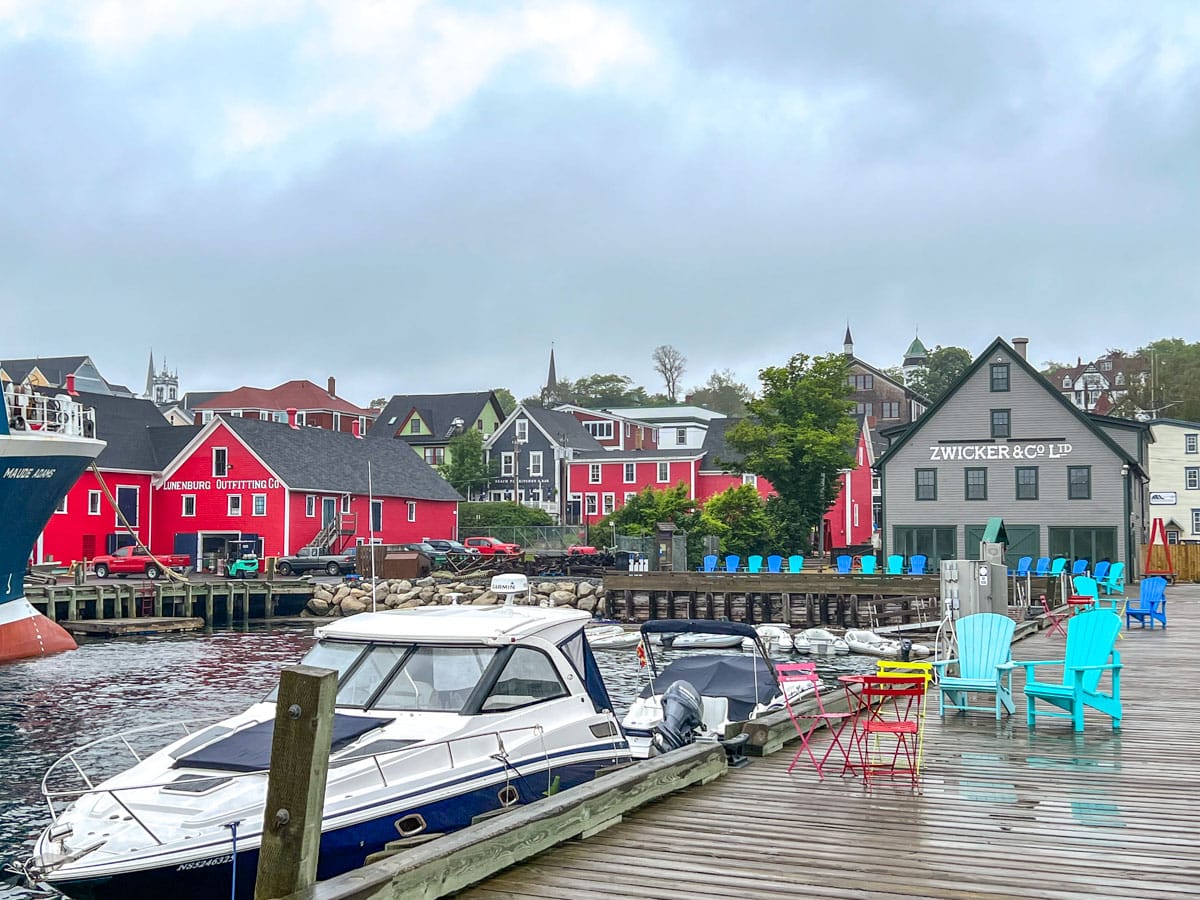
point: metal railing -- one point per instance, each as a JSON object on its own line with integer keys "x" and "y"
{"x": 32, "y": 412}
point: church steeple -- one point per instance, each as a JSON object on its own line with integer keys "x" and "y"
{"x": 149, "y": 394}
{"x": 848, "y": 342}
{"x": 551, "y": 376}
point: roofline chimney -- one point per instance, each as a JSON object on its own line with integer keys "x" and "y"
{"x": 292, "y": 417}
{"x": 1021, "y": 345}
{"x": 332, "y": 387}
{"x": 70, "y": 385}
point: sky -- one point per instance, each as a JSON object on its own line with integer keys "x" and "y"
{"x": 422, "y": 197}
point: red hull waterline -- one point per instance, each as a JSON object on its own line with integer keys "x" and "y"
{"x": 25, "y": 633}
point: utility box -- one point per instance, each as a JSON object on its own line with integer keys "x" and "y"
{"x": 405, "y": 564}
{"x": 972, "y": 586}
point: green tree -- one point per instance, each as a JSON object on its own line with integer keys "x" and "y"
{"x": 467, "y": 468}
{"x": 799, "y": 434}
{"x": 500, "y": 515}
{"x": 507, "y": 401}
{"x": 722, "y": 393}
{"x": 640, "y": 515}
{"x": 745, "y": 527}
{"x": 1171, "y": 387}
{"x": 600, "y": 391}
{"x": 944, "y": 367}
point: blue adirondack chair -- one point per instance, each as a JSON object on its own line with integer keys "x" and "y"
{"x": 1151, "y": 603}
{"x": 868, "y": 564}
{"x": 754, "y": 563}
{"x": 774, "y": 563}
{"x": 916, "y": 565}
{"x": 1057, "y": 567}
{"x": 1080, "y": 567}
{"x": 895, "y": 564}
{"x": 984, "y": 664}
{"x": 843, "y": 564}
{"x": 1101, "y": 570}
{"x": 1091, "y": 651}
{"x": 795, "y": 563}
{"x": 1023, "y": 565}
{"x": 710, "y": 564}
{"x": 1043, "y": 567}
{"x": 732, "y": 561}
{"x": 1115, "y": 582}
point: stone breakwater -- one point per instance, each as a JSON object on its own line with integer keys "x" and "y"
{"x": 441, "y": 589}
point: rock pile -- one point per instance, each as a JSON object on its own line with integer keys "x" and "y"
{"x": 401, "y": 593}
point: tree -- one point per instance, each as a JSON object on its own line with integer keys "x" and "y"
{"x": 640, "y": 515}
{"x": 1171, "y": 388}
{"x": 722, "y": 393}
{"x": 745, "y": 527}
{"x": 507, "y": 401}
{"x": 500, "y": 514}
{"x": 799, "y": 435}
{"x": 600, "y": 391}
{"x": 378, "y": 403}
{"x": 944, "y": 367}
{"x": 669, "y": 363}
{"x": 467, "y": 468}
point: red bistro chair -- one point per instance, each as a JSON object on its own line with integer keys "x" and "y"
{"x": 1055, "y": 619}
{"x": 892, "y": 718}
{"x": 808, "y": 722}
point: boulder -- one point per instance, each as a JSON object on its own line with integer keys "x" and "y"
{"x": 427, "y": 581}
{"x": 342, "y": 593}
{"x": 562, "y": 598}
{"x": 322, "y": 594}
{"x": 546, "y": 587}
{"x": 392, "y": 600}
{"x": 585, "y": 589}
{"x": 358, "y": 593}
{"x": 487, "y": 598}
{"x": 587, "y": 604}
{"x": 566, "y": 586}
{"x": 402, "y": 585}
{"x": 427, "y": 593}
{"x": 352, "y": 605}
{"x": 317, "y": 606}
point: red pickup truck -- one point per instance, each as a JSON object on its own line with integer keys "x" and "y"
{"x": 490, "y": 546}
{"x": 135, "y": 561}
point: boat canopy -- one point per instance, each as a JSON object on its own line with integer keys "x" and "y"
{"x": 745, "y": 681}
{"x": 698, "y": 626}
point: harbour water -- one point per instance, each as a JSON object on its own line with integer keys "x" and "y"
{"x": 52, "y": 705}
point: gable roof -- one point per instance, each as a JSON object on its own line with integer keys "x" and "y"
{"x": 561, "y": 428}
{"x": 714, "y": 445}
{"x": 193, "y": 399}
{"x": 879, "y": 373}
{"x": 437, "y": 411}
{"x": 999, "y": 344}
{"x": 55, "y": 368}
{"x": 298, "y": 393}
{"x": 124, "y": 424}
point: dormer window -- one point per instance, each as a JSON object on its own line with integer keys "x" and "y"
{"x": 1120, "y": 379}
{"x": 1066, "y": 381}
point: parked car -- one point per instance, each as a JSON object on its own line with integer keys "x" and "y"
{"x": 136, "y": 561}
{"x": 310, "y": 559}
{"x": 490, "y": 546}
{"x": 449, "y": 547}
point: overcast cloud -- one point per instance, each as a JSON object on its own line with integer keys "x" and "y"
{"x": 421, "y": 197}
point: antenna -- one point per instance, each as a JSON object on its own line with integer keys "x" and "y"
{"x": 508, "y": 586}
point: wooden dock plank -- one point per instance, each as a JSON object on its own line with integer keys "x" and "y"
{"x": 125, "y": 627}
{"x": 1005, "y": 811}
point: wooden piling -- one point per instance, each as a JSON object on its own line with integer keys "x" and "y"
{"x": 291, "y": 841}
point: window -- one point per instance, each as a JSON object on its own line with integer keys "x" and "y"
{"x": 750, "y": 479}
{"x": 926, "y": 484}
{"x": 889, "y": 410}
{"x": 1001, "y": 426}
{"x": 664, "y": 472}
{"x": 862, "y": 382}
{"x": 301, "y": 418}
{"x": 1066, "y": 381}
{"x": 1079, "y": 485}
{"x": 506, "y": 464}
{"x": 220, "y": 459}
{"x": 1189, "y": 443}
{"x": 377, "y": 515}
{"x": 629, "y": 495}
{"x": 234, "y": 505}
{"x": 435, "y": 456}
{"x": 527, "y": 678}
{"x": 93, "y": 503}
{"x": 62, "y": 505}
{"x": 337, "y": 421}
{"x": 535, "y": 463}
{"x": 594, "y": 473}
{"x": 630, "y": 473}
{"x": 258, "y": 505}
{"x": 1196, "y": 521}
{"x": 1027, "y": 482}
{"x": 310, "y": 505}
{"x": 1106, "y": 365}
{"x": 345, "y": 504}
{"x": 412, "y": 510}
{"x": 1192, "y": 478}
{"x": 1000, "y": 376}
{"x": 937, "y": 542}
{"x": 206, "y": 416}
{"x": 522, "y": 427}
{"x": 976, "y": 484}
{"x": 864, "y": 409}
{"x": 609, "y": 503}
{"x": 479, "y": 424}
{"x": 590, "y": 504}
{"x": 189, "y": 505}
{"x": 1093, "y": 544}
{"x": 1120, "y": 379}
{"x": 601, "y": 430}
{"x": 236, "y": 413}
{"x": 414, "y": 427}
{"x": 680, "y": 435}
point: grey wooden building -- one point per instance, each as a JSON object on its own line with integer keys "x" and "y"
{"x": 1005, "y": 442}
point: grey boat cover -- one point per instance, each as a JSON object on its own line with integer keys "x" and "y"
{"x": 249, "y": 750}
{"x": 743, "y": 680}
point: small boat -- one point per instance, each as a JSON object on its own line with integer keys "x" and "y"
{"x": 611, "y": 637}
{"x": 705, "y": 642}
{"x": 774, "y": 637}
{"x": 819, "y": 642}
{"x": 699, "y": 696}
{"x": 869, "y": 643}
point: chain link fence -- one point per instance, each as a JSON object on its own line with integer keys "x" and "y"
{"x": 536, "y": 537}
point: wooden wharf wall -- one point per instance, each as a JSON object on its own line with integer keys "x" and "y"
{"x": 1185, "y": 560}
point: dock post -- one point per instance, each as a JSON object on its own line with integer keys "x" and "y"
{"x": 229, "y": 607}
{"x": 291, "y": 832}
{"x": 159, "y": 590}
{"x": 208, "y": 607}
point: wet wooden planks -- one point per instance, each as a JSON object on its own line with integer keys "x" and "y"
{"x": 1005, "y": 812}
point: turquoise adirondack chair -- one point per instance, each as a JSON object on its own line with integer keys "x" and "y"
{"x": 984, "y": 664}
{"x": 1151, "y": 603}
{"x": 1043, "y": 567}
{"x": 1086, "y": 587}
{"x": 1115, "y": 581}
{"x": 895, "y": 564}
{"x": 710, "y": 564}
{"x": 868, "y": 564}
{"x": 732, "y": 561}
{"x": 916, "y": 565}
{"x": 1091, "y": 651}
{"x": 1057, "y": 567}
{"x": 1101, "y": 570}
{"x": 1023, "y": 565}
{"x": 774, "y": 563}
{"x": 843, "y": 564}
{"x": 754, "y": 563}
{"x": 795, "y": 563}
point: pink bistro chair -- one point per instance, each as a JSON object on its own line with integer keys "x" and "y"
{"x": 808, "y": 722}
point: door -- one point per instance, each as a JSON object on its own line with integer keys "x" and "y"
{"x": 188, "y": 543}
{"x": 89, "y": 546}
{"x": 127, "y": 503}
{"x": 328, "y": 510}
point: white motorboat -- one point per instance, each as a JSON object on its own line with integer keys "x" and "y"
{"x": 869, "y": 643}
{"x": 773, "y": 636}
{"x": 819, "y": 642}
{"x": 443, "y": 714}
{"x": 698, "y": 696}
{"x": 611, "y": 637}
{"x": 705, "y": 642}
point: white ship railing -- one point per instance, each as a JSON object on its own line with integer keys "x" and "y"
{"x": 30, "y": 411}
{"x": 53, "y": 797}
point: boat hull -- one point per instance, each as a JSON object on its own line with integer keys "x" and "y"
{"x": 25, "y": 632}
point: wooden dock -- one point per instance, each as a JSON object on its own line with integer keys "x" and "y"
{"x": 1005, "y": 812}
{"x": 128, "y": 627}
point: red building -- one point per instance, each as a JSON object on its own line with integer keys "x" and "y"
{"x": 613, "y": 432}
{"x": 850, "y": 521}
{"x": 307, "y": 403}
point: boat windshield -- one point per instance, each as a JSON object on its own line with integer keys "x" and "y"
{"x": 337, "y": 655}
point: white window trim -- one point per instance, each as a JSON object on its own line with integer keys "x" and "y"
{"x": 254, "y": 504}
{"x": 412, "y": 510}
{"x": 508, "y": 461}
{"x": 750, "y": 479}
{"x": 229, "y": 505}
{"x": 184, "y": 506}
{"x": 337, "y": 421}
{"x": 62, "y": 506}
{"x": 375, "y": 505}
{"x": 521, "y": 427}
{"x": 595, "y": 473}
{"x": 301, "y": 417}
{"x": 1193, "y": 441}
{"x": 591, "y": 505}
{"x": 629, "y": 495}
{"x": 345, "y": 504}
{"x": 630, "y": 471}
{"x": 535, "y": 463}
{"x": 681, "y": 436}
{"x": 663, "y": 467}
{"x": 608, "y": 504}
{"x": 1191, "y": 478}
{"x": 310, "y": 506}
{"x": 94, "y": 506}
{"x": 1196, "y": 521}
{"x": 215, "y": 473}
{"x": 600, "y": 429}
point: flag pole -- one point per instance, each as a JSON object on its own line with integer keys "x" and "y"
{"x": 371, "y": 530}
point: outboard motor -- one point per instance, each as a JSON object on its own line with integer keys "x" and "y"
{"x": 682, "y": 710}
{"x": 905, "y": 650}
